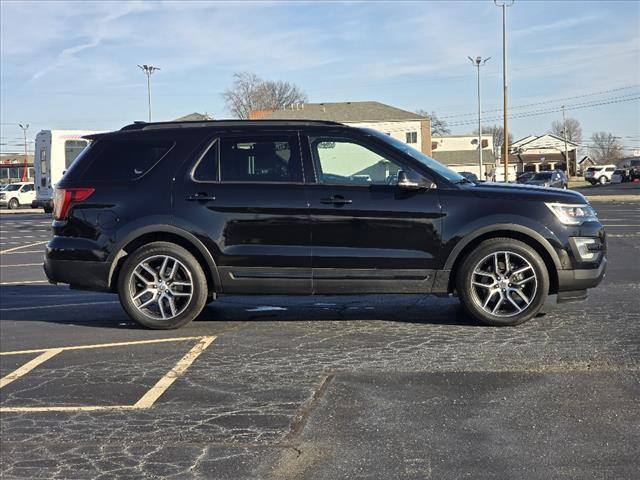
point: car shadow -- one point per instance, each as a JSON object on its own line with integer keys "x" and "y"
{"x": 59, "y": 304}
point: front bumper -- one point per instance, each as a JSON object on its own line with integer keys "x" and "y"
{"x": 581, "y": 279}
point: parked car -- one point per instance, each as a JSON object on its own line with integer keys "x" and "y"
{"x": 555, "y": 178}
{"x": 634, "y": 169}
{"x": 16, "y": 194}
{"x": 172, "y": 215}
{"x": 525, "y": 177}
{"x": 599, "y": 174}
{"x": 620, "y": 175}
{"x": 472, "y": 177}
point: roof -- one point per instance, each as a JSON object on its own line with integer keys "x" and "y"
{"x": 463, "y": 157}
{"x": 533, "y": 139}
{"x": 223, "y": 123}
{"x": 194, "y": 117}
{"x": 345, "y": 112}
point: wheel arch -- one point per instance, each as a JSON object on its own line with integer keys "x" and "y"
{"x": 516, "y": 232}
{"x": 165, "y": 233}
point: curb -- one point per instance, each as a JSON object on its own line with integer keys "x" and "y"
{"x": 613, "y": 198}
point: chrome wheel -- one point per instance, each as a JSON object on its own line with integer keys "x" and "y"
{"x": 503, "y": 284}
{"x": 161, "y": 287}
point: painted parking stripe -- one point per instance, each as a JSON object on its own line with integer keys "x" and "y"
{"x": 64, "y": 305}
{"x": 22, "y": 246}
{"x": 145, "y": 402}
{"x": 22, "y": 251}
{"x": 23, "y": 265}
{"x": 23, "y": 282}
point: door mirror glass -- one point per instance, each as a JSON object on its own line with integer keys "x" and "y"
{"x": 414, "y": 181}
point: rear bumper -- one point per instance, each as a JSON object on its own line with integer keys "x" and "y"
{"x": 42, "y": 203}
{"x": 79, "y": 274}
{"x": 581, "y": 279}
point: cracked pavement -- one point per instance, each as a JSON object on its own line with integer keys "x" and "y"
{"x": 330, "y": 387}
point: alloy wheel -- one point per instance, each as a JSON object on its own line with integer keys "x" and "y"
{"x": 161, "y": 287}
{"x": 504, "y": 284}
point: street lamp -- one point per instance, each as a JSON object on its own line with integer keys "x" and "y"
{"x": 479, "y": 62}
{"x": 505, "y": 143}
{"x": 25, "y": 173}
{"x": 148, "y": 71}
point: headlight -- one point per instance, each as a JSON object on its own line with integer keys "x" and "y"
{"x": 570, "y": 214}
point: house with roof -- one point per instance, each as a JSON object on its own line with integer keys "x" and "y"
{"x": 194, "y": 117}
{"x": 403, "y": 125}
{"x": 460, "y": 153}
{"x": 536, "y": 153}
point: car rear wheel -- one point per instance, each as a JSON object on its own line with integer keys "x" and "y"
{"x": 602, "y": 180}
{"x": 13, "y": 204}
{"x": 162, "y": 286}
{"x": 502, "y": 282}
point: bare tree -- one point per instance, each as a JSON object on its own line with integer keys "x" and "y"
{"x": 249, "y": 92}
{"x": 439, "y": 127}
{"x": 605, "y": 148}
{"x": 498, "y": 135}
{"x": 574, "y": 130}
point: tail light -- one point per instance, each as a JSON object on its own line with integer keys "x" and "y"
{"x": 66, "y": 197}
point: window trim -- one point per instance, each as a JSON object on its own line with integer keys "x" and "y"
{"x": 220, "y": 137}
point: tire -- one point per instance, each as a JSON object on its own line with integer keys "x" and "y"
{"x": 13, "y": 204}
{"x": 48, "y": 209}
{"x": 602, "y": 180}
{"x": 159, "y": 291}
{"x": 499, "y": 310}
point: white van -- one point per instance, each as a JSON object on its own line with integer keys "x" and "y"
{"x": 55, "y": 151}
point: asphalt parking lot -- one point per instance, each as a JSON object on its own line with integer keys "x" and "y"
{"x": 319, "y": 388}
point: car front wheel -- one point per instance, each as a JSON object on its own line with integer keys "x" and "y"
{"x": 13, "y": 204}
{"x": 602, "y": 180}
{"x": 503, "y": 282}
{"x": 162, "y": 286}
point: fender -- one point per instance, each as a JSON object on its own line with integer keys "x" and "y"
{"x": 118, "y": 250}
{"x": 468, "y": 238}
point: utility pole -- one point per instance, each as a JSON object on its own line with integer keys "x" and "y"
{"x": 478, "y": 62}
{"x": 564, "y": 134}
{"x": 148, "y": 71}
{"x": 25, "y": 173}
{"x": 505, "y": 143}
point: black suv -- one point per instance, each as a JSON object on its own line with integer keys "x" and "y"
{"x": 170, "y": 215}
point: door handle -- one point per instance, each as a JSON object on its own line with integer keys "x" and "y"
{"x": 200, "y": 196}
{"x": 336, "y": 200}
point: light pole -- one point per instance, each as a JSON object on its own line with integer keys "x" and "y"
{"x": 25, "y": 173}
{"x": 148, "y": 70}
{"x": 505, "y": 143}
{"x": 478, "y": 62}
{"x": 566, "y": 150}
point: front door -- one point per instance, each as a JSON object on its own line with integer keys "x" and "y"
{"x": 246, "y": 196}
{"x": 368, "y": 235}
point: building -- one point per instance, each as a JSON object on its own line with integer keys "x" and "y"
{"x": 544, "y": 152}
{"x": 194, "y": 117}
{"x": 460, "y": 153}
{"x": 12, "y": 167}
{"x": 408, "y": 127}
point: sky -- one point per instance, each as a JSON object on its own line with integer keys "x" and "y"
{"x": 74, "y": 64}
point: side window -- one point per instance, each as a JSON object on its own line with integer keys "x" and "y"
{"x": 207, "y": 168}
{"x": 124, "y": 159}
{"x": 342, "y": 161}
{"x": 261, "y": 159}
{"x": 26, "y": 188}
{"x": 610, "y": 169}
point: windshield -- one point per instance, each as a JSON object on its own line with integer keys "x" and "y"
{"x": 427, "y": 161}
{"x": 13, "y": 187}
{"x": 542, "y": 176}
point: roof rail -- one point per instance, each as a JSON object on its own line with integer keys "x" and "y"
{"x": 226, "y": 123}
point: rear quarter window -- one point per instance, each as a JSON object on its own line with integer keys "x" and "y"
{"x": 124, "y": 159}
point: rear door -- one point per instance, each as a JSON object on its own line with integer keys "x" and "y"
{"x": 243, "y": 195}
{"x": 368, "y": 235}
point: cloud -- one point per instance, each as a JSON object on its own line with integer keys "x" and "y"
{"x": 558, "y": 25}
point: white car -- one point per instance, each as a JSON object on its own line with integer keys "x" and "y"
{"x": 16, "y": 194}
{"x": 599, "y": 174}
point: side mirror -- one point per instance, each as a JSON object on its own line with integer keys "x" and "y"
{"x": 413, "y": 181}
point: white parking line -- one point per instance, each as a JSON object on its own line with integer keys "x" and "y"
{"x": 23, "y": 265}
{"x": 22, "y": 251}
{"x": 23, "y": 246}
{"x": 24, "y": 282}
{"x": 42, "y": 307}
